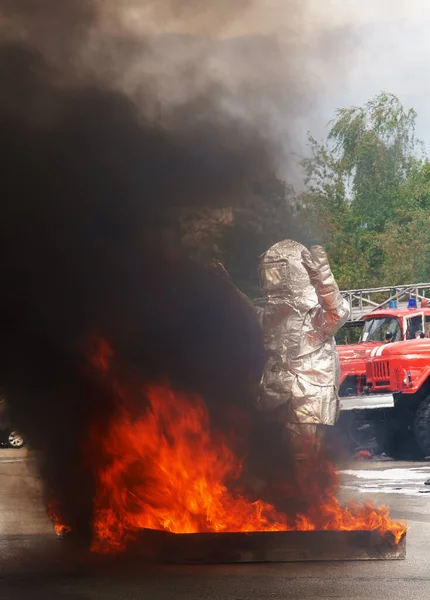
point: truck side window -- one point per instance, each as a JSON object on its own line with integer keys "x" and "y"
{"x": 414, "y": 324}
{"x": 427, "y": 325}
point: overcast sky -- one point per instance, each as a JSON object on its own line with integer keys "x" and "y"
{"x": 390, "y": 51}
{"x": 320, "y": 55}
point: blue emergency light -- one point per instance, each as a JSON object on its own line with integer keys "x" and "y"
{"x": 412, "y": 303}
{"x": 393, "y": 304}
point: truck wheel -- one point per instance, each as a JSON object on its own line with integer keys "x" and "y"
{"x": 15, "y": 440}
{"x": 361, "y": 434}
{"x": 422, "y": 426}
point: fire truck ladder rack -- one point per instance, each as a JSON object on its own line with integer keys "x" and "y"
{"x": 364, "y": 300}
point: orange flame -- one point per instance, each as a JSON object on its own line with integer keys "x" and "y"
{"x": 59, "y": 527}
{"x": 166, "y": 470}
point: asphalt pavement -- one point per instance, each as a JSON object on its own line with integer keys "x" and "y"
{"x": 35, "y": 565}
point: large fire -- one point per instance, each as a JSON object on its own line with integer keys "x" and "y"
{"x": 167, "y": 470}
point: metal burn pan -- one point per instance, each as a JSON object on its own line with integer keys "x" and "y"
{"x": 272, "y": 546}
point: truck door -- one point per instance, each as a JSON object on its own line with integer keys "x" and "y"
{"x": 414, "y": 324}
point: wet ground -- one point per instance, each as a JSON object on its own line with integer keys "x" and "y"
{"x": 35, "y": 565}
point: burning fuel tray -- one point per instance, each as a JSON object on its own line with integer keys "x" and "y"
{"x": 270, "y": 546}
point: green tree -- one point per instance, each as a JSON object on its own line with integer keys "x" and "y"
{"x": 415, "y": 192}
{"x": 406, "y": 247}
{"x": 377, "y": 148}
{"x": 358, "y": 180}
{"x": 406, "y": 237}
{"x": 325, "y": 211}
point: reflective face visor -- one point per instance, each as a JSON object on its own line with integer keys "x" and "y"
{"x": 285, "y": 277}
{"x": 274, "y": 277}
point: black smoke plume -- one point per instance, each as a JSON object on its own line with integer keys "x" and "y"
{"x": 89, "y": 184}
{"x": 104, "y": 133}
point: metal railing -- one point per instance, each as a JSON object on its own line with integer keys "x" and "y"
{"x": 362, "y": 301}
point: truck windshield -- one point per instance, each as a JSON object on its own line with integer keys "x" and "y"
{"x": 375, "y": 330}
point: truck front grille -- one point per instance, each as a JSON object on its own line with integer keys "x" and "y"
{"x": 381, "y": 372}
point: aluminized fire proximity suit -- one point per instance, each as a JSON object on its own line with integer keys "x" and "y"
{"x": 302, "y": 311}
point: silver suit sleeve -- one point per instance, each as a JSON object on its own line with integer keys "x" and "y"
{"x": 333, "y": 309}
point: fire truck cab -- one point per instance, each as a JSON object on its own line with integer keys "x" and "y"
{"x": 380, "y": 327}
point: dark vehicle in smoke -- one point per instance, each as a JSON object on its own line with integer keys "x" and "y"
{"x": 9, "y": 437}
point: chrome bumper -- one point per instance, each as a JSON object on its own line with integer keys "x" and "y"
{"x": 367, "y": 402}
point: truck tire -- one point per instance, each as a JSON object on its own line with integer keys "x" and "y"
{"x": 360, "y": 434}
{"x": 422, "y": 426}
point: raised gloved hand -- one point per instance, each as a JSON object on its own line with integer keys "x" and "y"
{"x": 317, "y": 265}
{"x": 334, "y": 307}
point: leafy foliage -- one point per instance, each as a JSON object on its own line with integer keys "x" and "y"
{"x": 367, "y": 196}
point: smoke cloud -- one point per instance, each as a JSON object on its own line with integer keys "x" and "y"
{"x": 113, "y": 115}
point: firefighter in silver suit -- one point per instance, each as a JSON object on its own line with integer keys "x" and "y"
{"x": 302, "y": 311}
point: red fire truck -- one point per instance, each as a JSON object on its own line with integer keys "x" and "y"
{"x": 385, "y": 378}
